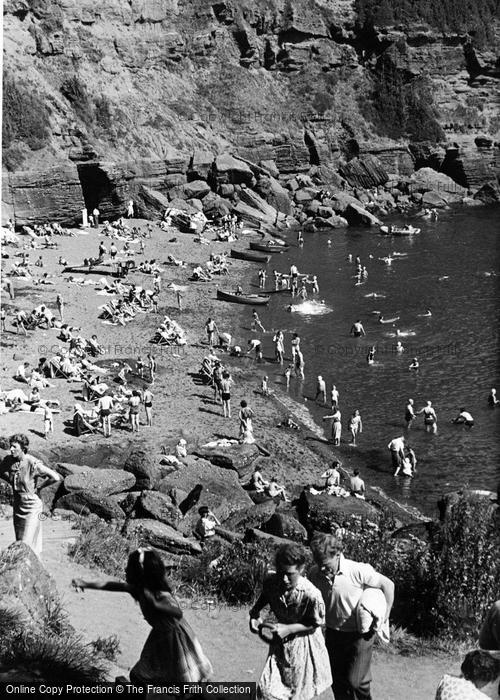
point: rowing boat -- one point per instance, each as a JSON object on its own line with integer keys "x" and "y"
{"x": 249, "y": 299}
{"x": 250, "y": 255}
{"x": 399, "y": 230}
{"x": 269, "y": 247}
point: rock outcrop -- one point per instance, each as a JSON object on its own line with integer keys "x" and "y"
{"x": 25, "y": 586}
{"x": 295, "y": 86}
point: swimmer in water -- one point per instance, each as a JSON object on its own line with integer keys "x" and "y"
{"x": 349, "y": 258}
{"x": 315, "y": 285}
{"x": 329, "y": 243}
{"x": 370, "y": 358}
{"x": 357, "y": 329}
{"x": 388, "y": 260}
{"x": 399, "y": 347}
{"x": 427, "y": 314}
{"x": 414, "y": 364}
{"x": 409, "y": 414}
{"x": 492, "y": 398}
{"x": 364, "y": 272}
{"x": 430, "y": 418}
{"x": 464, "y": 417}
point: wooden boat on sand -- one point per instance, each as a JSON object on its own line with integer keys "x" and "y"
{"x": 249, "y": 299}
{"x": 250, "y": 255}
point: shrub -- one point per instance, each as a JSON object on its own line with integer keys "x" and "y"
{"x": 106, "y": 647}
{"x": 102, "y": 546}
{"x": 25, "y": 118}
{"x": 57, "y": 659}
{"x": 234, "y": 574}
{"x": 446, "y": 586}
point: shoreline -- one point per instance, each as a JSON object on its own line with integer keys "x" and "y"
{"x": 296, "y": 456}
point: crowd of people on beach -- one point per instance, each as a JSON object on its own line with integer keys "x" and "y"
{"x": 326, "y": 622}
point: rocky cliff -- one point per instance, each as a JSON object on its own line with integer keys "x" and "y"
{"x": 103, "y": 99}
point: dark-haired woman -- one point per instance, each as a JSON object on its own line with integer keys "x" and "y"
{"x": 297, "y": 667}
{"x": 172, "y": 653}
{"x": 27, "y": 476}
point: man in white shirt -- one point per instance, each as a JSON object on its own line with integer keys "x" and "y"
{"x": 397, "y": 448}
{"x": 321, "y": 389}
{"x": 342, "y": 582}
{"x": 464, "y": 417}
{"x": 256, "y": 346}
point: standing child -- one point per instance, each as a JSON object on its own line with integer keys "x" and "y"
{"x": 60, "y": 307}
{"x": 48, "y": 422}
{"x": 172, "y": 653}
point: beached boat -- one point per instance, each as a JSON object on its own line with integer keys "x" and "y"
{"x": 268, "y": 247}
{"x": 249, "y": 299}
{"x": 399, "y": 230}
{"x": 251, "y": 256}
{"x": 99, "y": 269}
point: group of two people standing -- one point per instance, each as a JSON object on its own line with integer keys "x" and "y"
{"x": 302, "y": 661}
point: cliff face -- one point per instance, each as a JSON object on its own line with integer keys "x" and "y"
{"x": 101, "y": 98}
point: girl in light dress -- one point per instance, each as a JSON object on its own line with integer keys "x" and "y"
{"x": 297, "y": 666}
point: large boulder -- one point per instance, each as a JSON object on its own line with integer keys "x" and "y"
{"x": 145, "y": 469}
{"x": 326, "y": 513}
{"x": 427, "y": 179}
{"x": 26, "y": 588}
{"x": 227, "y": 168}
{"x": 85, "y": 502}
{"x": 285, "y": 525}
{"x": 100, "y": 482}
{"x": 331, "y": 222}
{"x": 433, "y": 199}
{"x": 196, "y": 189}
{"x": 157, "y": 534}
{"x": 151, "y": 204}
{"x": 220, "y": 488}
{"x": 256, "y": 202}
{"x": 356, "y": 215}
{"x": 158, "y": 506}
{"x": 366, "y": 171}
{"x": 489, "y": 193}
{"x": 253, "y": 516}
{"x": 200, "y": 165}
{"x": 239, "y": 458}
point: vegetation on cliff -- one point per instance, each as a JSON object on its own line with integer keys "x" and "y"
{"x": 475, "y": 17}
{"x": 26, "y": 122}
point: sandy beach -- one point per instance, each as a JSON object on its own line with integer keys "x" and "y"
{"x": 182, "y": 408}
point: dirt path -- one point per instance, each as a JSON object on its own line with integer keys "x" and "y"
{"x": 234, "y": 652}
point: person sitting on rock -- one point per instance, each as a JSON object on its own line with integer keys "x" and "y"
{"x": 205, "y": 527}
{"x": 257, "y": 481}
{"x": 274, "y": 490}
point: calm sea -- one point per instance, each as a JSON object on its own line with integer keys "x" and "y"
{"x": 451, "y": 267}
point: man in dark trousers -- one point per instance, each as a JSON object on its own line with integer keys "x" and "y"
{"x": 342, "y": 582}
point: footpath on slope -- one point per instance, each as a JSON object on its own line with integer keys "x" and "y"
{"x": 236, "y": 654}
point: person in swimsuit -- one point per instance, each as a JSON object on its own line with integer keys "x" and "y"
{"x": 370, "y": 358}
{"x": 414, "y": 364}
{"x": 104, "y": 407}
{"x": 355, "y": 426}
{"x": 134, "y": 403}
{"x": 225, "y": 387}
{"x": 492, "y": 398}
{"x": 357, "y": 329}
{"x": 430, "y": 418}
{"x": 148, "y": 406}
{"x": 409, "y": 413}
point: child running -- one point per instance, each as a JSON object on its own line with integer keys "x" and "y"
{"x": 172, "y": 653}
